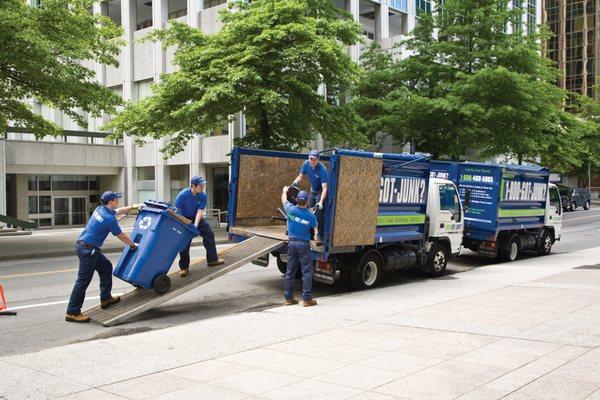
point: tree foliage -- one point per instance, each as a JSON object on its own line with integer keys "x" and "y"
{"x": 269, "y": 60}
{"x": 43, "y": 51}
{"x": 469, "y": 83}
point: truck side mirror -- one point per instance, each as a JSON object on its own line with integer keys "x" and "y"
{"x": 468, "y": 198}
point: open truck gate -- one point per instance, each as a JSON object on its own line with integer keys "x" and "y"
{"x": 139, "y": 300}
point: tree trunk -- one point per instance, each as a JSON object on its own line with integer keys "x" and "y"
{"x": 265, "y": 132}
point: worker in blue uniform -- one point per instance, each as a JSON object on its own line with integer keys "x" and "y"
{"x": 102, "y": 222}
{"x": 191, "y": 202}
{"x": 299, "y": 223}
{"x": 317, "y": 175}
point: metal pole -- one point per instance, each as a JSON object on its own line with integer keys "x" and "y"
{"x": 589, "y": 176}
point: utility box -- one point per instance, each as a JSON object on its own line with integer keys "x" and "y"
{"x": 160, "y": 233}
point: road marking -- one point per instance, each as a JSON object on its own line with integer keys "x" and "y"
{"x": 60, "y": 271}
{"x": 47, "y": 304}
{"x": 573, "y": 219}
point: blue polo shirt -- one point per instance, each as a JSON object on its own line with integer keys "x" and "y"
{"x": 317, "y": 176}
{"x": 188, "y": 205}
{"x": 299, "y": 221}
{"x": 102, "y": 222}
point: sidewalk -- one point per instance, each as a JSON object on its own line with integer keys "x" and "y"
{"x": 525, "y": 330}
{"x": 61, "y": 242}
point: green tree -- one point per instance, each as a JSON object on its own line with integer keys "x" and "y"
{"x": 470, "y": 82}
{"x": 42, "y": 55}
{"x": 268, "y": 61}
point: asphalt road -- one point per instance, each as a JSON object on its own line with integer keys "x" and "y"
{"x": 38, "y": 290}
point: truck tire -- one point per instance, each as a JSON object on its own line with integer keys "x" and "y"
{"x": 437, "y": 260}
{"x": 369, "y": 271}
{"x": 511, "y": 252}
{"x": 573, "y": 206}
{"x": 546, "y": 244}
{"x": 281, "y": 266}
{"x": 161, "y": 284}
{"x": 586, "y": 206}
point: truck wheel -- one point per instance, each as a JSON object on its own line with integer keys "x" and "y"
{"x": 511, "y": 253}
{"x": 437, "y": 260}
{"x": 281, "y": 266}
{"x": 586, "y": 206}
{"x": 161, "y": 284}
{"x": 573, "y": 206}
{"x": 546, "y": 244}
{"x": 369, "y": 271}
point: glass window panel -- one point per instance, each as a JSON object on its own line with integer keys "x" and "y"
{"x": 94, "y": 183}
{"x": 33, "y": 205}
{"x": 44, "y": 182}
{"x": 45, "y": 204}
{"x": 33, "y": 182}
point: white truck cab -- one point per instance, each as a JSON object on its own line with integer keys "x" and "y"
{"x": 445, "y": 214}
{"x": 553, "y": 217}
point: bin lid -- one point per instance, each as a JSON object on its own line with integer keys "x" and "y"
{"x": 158, "y": 204}
{"x": 166, "y": 210}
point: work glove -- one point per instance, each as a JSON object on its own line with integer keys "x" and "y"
{"x": 319, "y": 206}
{"x": 133, "y": 247}
{"x": 136, "y": 206}
{"x": 285, "y": 189}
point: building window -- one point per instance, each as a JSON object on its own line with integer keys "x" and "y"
{"x": 33, "y": 205}
{"x": 213, "y": 3}
{"x": 401, "y": 5}
{"x": 70, "y": 182}
{"x": 423, "y": 6}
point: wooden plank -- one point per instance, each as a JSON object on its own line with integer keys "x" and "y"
{"x": 275, "y": 232}
{"x": 357, "y": 201}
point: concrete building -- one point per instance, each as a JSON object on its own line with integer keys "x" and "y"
{"x": 56, "y": 182}
{"x": 575, "y": 43}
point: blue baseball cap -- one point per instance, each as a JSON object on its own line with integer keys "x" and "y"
{"x": 108, "y": 196}
{"x": 197, "y": 180}
{"x": 302, "y": 196}
{"x": 314, "y": 153}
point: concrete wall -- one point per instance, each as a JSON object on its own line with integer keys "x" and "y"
{"x": 209, "y": 22}
{"x": 22, "y": 197}
{"x": 143, "y": 56}
{"x": 214, "y": 149}
{"x": 26, "y": 157}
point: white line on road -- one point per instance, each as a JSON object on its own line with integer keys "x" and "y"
{"x": 47, "y": 304}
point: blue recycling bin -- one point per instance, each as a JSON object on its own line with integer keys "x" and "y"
{"x": 160, "y": 235}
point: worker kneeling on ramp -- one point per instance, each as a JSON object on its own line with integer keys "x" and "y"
{"x": 299, "y": 223}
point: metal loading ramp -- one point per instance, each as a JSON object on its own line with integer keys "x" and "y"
{"x": 139, "y": 300}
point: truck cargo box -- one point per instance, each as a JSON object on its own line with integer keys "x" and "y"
{"x": 503, "y": 197}
{"x": 373, "y": 197}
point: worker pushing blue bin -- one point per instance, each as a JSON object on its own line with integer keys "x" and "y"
{"x": 160, "y": 234}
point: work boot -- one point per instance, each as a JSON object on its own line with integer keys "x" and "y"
{"x": 290, "y": 302}
{"x": 309, "y": 303}
{"x": 319, "y": 243}
{"x": 183, "y": 273}
{"x": 107, "y": 303}
{"x": 220, "y": 261}
{"x": 77, "y": 318}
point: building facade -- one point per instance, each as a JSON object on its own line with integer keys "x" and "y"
{"x": 575, "y": 41}
{"x": 57, "y": 182}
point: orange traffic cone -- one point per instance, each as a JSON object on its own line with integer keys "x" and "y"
{"x": 3, "y": 310}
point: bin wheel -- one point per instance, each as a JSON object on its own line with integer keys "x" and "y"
{"x": 161, "y": 284}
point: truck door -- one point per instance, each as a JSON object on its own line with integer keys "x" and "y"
{"x": 554, "y": 211}
{"x": 448, "y": 221}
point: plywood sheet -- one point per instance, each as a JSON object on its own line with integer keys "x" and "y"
{"x": 275, "y": 232}
{"x": 259, "y": 187}
{"x": 357, "y": 201}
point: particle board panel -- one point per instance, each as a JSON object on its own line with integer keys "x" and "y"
{"x": 260, "y": 181}
{"x": 357, "y": 201}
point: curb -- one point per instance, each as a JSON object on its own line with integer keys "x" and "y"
{"x": 107, "y": 250}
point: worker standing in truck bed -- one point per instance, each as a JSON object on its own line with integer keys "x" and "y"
{"x": 317, "y": 175}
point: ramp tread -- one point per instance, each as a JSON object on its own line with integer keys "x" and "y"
{"x": 139, "y": 300}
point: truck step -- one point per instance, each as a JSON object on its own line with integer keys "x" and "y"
{"x": 139, "y": 300}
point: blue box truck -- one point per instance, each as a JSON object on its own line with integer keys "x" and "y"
{"x": 508, "y": 208}
{"x": 378, "y": 212}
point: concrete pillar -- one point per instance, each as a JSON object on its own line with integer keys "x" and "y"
{"x": 193, "y": 9}
{"x": 382, "y": 20}
{"x": 128, "y": 21}
{"x": 353, "y": 7}
{"x": 160, "y": 17}
{"x": 411, "y": 20}
{"x": 22, "y": 196}
{"x": 3, "y": 199}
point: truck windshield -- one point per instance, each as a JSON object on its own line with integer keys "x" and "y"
{"x": 449, "y": 199}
